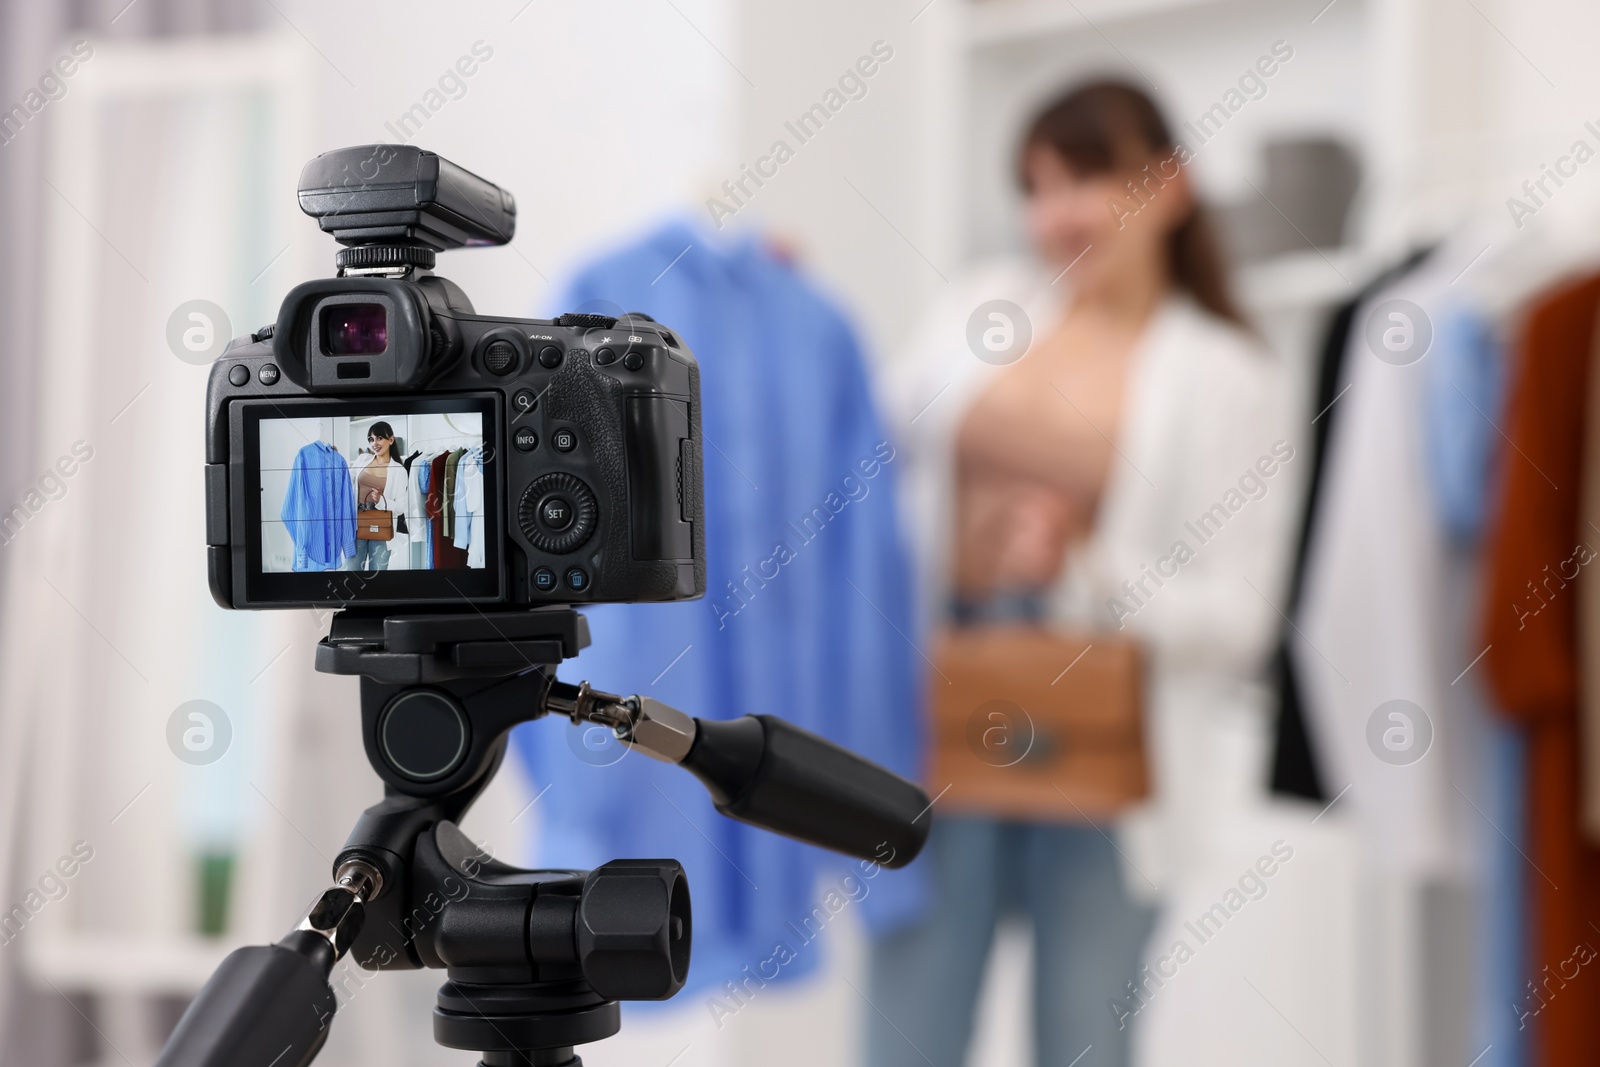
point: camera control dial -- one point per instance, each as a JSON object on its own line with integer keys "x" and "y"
{"x": 557, "y": 513}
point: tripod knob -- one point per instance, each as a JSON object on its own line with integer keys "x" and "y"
{"x": 633, "y": 929}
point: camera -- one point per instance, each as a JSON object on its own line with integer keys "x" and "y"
{"x": 381, "y": 449}
{"x": 383, "y": 444}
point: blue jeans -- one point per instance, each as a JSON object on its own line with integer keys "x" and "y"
{"x": 1087, "y": 938}
{"x": 370, "y": 556}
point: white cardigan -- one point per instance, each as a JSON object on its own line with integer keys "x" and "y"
{"x": 1205, "y": 404}
{"x": 397, "y": 499}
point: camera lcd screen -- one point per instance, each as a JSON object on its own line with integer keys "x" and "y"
{"x": 372, "y": 500}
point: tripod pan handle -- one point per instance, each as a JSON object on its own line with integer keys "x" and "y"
{"x": 265, "y": 1005}
{"x": 770, "y": 773}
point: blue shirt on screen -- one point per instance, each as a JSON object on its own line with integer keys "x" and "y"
{"x": 319, "y": 508}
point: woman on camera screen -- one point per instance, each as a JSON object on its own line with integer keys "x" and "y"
{"x": 382, "y": 488}
{"x": 1095, "y": 447}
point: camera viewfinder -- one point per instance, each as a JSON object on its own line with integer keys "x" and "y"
{"x": 355, "y": 330}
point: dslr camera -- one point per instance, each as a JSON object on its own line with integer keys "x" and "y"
{"x": 383, "y": 448}
{"x": 383, "y": 444}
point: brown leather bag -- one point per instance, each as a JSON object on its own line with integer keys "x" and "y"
{"x": 1035, "y": 724}
{"x": 374, "y": 524}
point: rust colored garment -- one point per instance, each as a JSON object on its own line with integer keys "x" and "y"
{"x": 1531, "y": 612}
{"x": 1588, "y": 584}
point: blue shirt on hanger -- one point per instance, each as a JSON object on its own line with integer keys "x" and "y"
{"x": 467, "y": 503}
{"x": 424, "y": 485}
{"x": 1463, "y": 395}
{"x": 1463, "y": 401}
{"x": 807, "y": 613}
{"x": 319, "y": 508}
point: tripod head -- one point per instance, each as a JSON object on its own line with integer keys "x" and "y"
{"x": 536, "y": 961}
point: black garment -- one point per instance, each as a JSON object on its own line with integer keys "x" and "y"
{"x": 1294, "y": 763}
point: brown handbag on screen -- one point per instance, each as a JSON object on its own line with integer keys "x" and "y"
{"x": 374, "y": 524}
{"x": 1032, "y": 723}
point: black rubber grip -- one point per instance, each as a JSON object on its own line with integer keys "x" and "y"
{"x": 265, "y": 1006}
{"x": 772, "y": 774}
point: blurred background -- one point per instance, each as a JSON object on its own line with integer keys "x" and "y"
{"x": 1346, "y": 805}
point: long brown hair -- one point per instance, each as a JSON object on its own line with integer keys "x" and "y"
{"x": 1104, "y": 126}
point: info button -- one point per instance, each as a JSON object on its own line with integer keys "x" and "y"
{"x": 525, "y": 439}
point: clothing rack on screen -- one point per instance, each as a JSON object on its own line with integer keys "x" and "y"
{"x": 458, "y": 439}
{"x": 446, "y": 504}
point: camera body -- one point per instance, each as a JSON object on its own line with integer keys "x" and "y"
{"x": 382, "y": 444}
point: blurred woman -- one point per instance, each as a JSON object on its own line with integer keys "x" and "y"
{"x": 1053, "y": 483}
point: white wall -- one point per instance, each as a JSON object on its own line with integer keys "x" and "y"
{"x": 599, "y": 116}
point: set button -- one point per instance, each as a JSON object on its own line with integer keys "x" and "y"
{"x": 555, "y": 512}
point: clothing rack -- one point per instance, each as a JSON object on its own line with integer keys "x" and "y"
{"x": 433, "y": 445}
{"x": 444, "y": 444}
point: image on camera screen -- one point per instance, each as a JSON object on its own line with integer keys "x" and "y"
{"x": 373, "y": 492}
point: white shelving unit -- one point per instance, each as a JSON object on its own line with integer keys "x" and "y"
{"x": 1010, "y": 54}
{"x": 999, "y": 23}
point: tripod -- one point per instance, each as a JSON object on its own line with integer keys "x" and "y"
{"x": 536, "y": 961}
